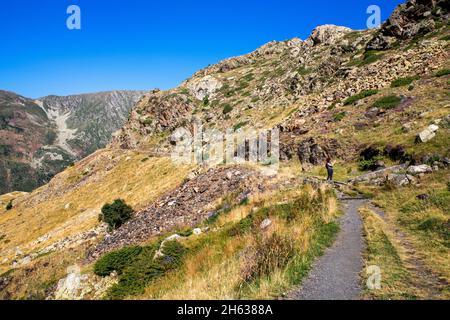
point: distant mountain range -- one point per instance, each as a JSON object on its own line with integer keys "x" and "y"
{"x": 39, "y": 138}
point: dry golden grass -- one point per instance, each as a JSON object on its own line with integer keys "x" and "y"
{"x": 216, "y": 270}
{"x": 76, "y": 209}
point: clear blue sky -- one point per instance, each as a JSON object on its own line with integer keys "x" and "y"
{"x": 143, "y": 44}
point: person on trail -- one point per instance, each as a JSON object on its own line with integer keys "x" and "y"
{"x": 330, "y": 169}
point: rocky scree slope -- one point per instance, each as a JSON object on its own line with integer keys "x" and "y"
{"x": 39, "y": 138}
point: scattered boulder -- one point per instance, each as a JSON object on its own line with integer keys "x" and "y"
{"x": 265, "y": 224}
{"x": 428, "y": 134}
{"x": 78, "y": 287}
{"x": 420, "y": 169}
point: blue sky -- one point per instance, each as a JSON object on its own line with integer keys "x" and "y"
{"x": 138, "y": 44}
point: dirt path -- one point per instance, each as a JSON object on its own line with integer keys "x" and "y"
{"x": 336, "y": 275}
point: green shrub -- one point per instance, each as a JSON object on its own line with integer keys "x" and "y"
{"x": 9, "y": 206}
{"x": 339, "y": 116}
{"x": 145, "y": 268}
{"x": 448, "y": 186}
{"x": 206, "y": 101}
{"x": 227, "y": 109}
{"x": 445, "y": 38}
{"x": 240, "y": 125}
{"x": 437, "y": 226}
{"x": 359, "y": 96}
{"x": 370, "y": 57}
{"x": 304, "y": 71}
{"x": 401, "y": 82}
{"x": 116, "y": 261}
{"x": 116, "y": 214}
{"x": 442, "y": 72}
{"x": 388, "y": 102}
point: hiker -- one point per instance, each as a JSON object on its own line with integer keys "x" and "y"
{"x": 330, "y": 169}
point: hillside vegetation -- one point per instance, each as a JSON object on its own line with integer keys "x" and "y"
{"x": 376, "y": 101}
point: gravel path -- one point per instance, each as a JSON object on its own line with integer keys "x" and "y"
{"x": 336, "y": 275}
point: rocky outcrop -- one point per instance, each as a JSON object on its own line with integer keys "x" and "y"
{"x": 77, "y": 286}
{"x": 416, "y": 17}
{"x": 204, "y": 87}
{"x": 327, "y": 34}
{"x": 310, "y": 151}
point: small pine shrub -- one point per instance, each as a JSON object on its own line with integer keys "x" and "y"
{"x": 370, "y": 57}
{"x": 443, "y": 72}
{"x": 240, "y": 125}
{"x": 402, "y": 82}
{"x": 359, "y": 96}
{"x": 206, "y": 101}
{"x": 116, "y": 261}
{"x": 9, "y": 206}
{"x": 339, "y": 116}
{"x": 388, "y": 102}
{"x": 116, "y": 214}
{"x": 227, "y": 109}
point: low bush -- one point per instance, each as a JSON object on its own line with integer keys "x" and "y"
{"x": 359, "y": 96}
{"x": 145, "y": 269}
{"x": 388, "y": 102}
{"x": 116, "y": 261}
{"x": 227, "y": 109}
{"x": 339, "y": 116}
{"x": 9, "y": 206}
{"x": 395, "y": 153}
{"x": 443, "y": 72}
{"x": 116, "y": 214}
{"x": 401, "y": 82}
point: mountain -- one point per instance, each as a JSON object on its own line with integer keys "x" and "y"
{"x": 376, "y": 101}
{"x": 39, "y": 138}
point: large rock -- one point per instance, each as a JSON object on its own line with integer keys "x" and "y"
{"x": 421, "y": 169}
{"x": 380, "y": 177}
{"x": 428, "y": 134}
{"x": 205, "y": 87}
{"x": 77, "y": 286}
{"x": 327, "y": 34}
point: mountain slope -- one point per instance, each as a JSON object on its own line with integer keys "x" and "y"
{"x": 361, "y": 97}
{"x": 40, "y": 138}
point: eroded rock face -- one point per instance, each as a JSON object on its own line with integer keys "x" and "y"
{"x": 416, "y": 17}
{"x": 327, "y": 34}
{"x": 205, "y": 87}
{"x": 311, "y": 152}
